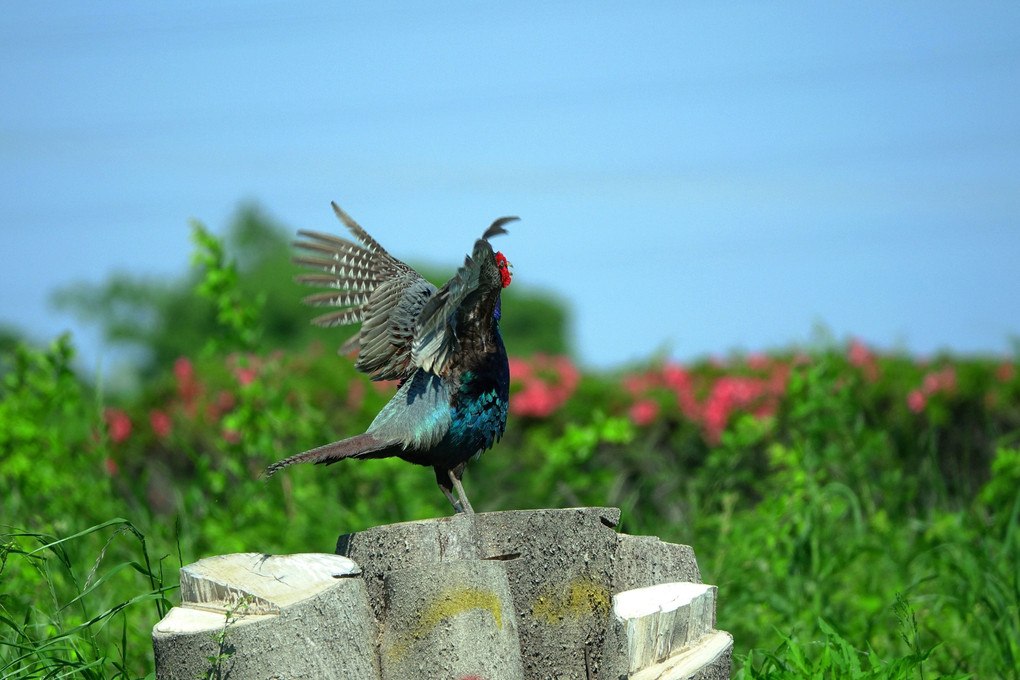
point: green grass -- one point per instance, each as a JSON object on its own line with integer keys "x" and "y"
{"x": 69, "y": 619}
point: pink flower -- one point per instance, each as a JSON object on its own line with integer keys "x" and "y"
{"x": 385, "y": 386}
{"x": 676, "y": 377}
{"x": 859, "y": 354}
{"x": 1005, "y": 372}
{"x": 639, "y": 383}
{"x": 943, "y": 380}
{"x": 778, "y": 379}
{"x": 110, "y": 467}
{"x": 644, "y": 412}
{"x": 546, "y": 384}
{"x": 246, "y": 376}
{"x": 224, "y": 401}
{"x": 680, "y": 382}
{"x": 863, "y": 358}
{"x": 729, "y": 394}
{"x": 916, "y": 401}
{"x": 766, "y": 409}
{"x": 118, "y": 423}
{"x": 245, "y": 367}
{"x": 355, "y": 394}
{"x": 947, "y": 379}
{"x": 160, "y": 422}
{"x": 519, "y": 368}
{"x": 759, "y": 396}
{"x": 184, "y": 371}
{"x": 568, "y": 374}
{"x": 188, "y": 388}
{"x": 536, "y": 400}
{"x": 214, "y": 410}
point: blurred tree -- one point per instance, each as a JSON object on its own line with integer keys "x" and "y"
{"x": 534, "y": 322}
{"x": 165, "y": 319}
{"x": 10, "y": 339}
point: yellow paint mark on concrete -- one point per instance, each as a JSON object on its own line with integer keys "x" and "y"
{"x": 449, "y": 603}
{"x": 581, "y": 596}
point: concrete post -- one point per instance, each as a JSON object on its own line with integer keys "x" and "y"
{"x": 431, "y": 610}
{"x": 530, "y": 594}
{"x": 250, "y": 615}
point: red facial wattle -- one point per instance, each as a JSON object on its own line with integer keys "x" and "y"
{"x": 504, "y": 268}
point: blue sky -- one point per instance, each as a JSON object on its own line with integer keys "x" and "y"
{"x": 691, "y": 177}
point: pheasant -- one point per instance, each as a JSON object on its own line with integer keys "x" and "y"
{"x": 443, "y": 345}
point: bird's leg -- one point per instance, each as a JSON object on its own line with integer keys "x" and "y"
{"x": 455, "y": 475}
{"x": 444, "y": 477}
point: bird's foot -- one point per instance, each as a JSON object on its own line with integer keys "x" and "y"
{"x": 464, "y": 504}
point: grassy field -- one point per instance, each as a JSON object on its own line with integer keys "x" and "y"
{"x": 859, "y": 512}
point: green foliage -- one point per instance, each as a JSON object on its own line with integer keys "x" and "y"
{"x": 220, "y": 637}
{"x": 974, "y": 572}
{"x": 1001, "y": 489}
{"x": 859, "y": 512}
{"x": 44, "y": 416}
{"x": 533, "y": 322}
{"x": 236, "y": 315}
{"x": 555, "y": 467}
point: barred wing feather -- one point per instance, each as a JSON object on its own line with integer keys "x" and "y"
{"x": 370, "y": 287}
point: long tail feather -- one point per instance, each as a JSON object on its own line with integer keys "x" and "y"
{"x": 359, "y": 446}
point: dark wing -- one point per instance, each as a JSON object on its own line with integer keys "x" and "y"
{"x": 371, "y": 287}
{"x": 466, "y": 300}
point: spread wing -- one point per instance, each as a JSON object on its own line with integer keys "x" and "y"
{"x": 370, "y": 287}
{"x": 467, "y": 301}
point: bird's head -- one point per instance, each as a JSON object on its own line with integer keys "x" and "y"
{"x": 501, "y": 275}
{"x": 485, "y": 258}
{"x": 504, "y": 268}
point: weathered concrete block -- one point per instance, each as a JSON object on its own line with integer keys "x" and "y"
{"x": 647, "y": 561}
{"x": 453, "y": 619}
{"x": 255, "y": 616}
{"x": 559, "y": 563}
{"x": 517, "y": 594}
{"x": 380, "y": 550}
{"x": 561, "y": 577}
